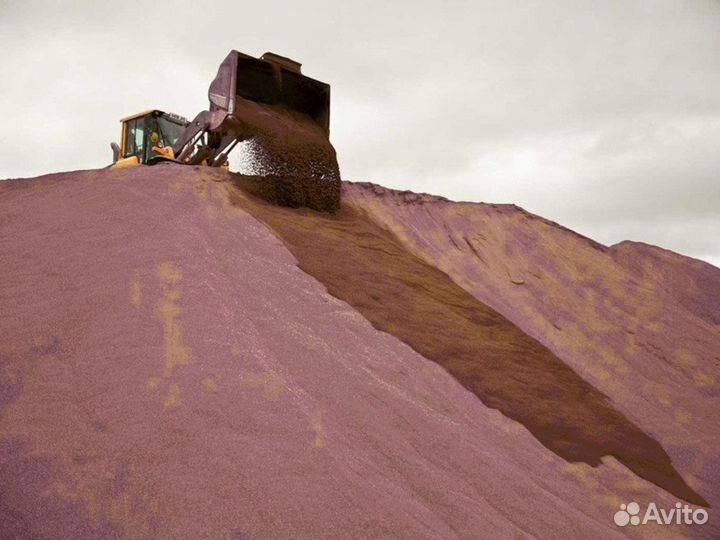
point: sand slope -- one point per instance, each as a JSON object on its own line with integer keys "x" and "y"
{"x": 640, "y": 323}
{"x": 167, "y": 370}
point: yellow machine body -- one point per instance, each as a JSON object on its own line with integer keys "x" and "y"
{"x": 147, "y": 135}
{"x": 249, "y": 97}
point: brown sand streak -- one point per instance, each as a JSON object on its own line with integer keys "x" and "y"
{"x": 505, "y": 368}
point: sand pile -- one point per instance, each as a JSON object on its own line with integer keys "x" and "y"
{"x": 638, "y": 323}
{"x": 364, "y": 265}
{"x": 180, "y": 359}
{"x": 291, "y": 153}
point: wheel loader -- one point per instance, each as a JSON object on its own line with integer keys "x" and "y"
{"x": 265, "y": 101}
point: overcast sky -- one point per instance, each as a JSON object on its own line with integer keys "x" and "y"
{"x": 603, "y": 116}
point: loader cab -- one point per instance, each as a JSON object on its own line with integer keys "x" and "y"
{"x": 145, "y": 135}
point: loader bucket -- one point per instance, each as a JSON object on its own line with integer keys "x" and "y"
{"x": 284, "y": 117}
{"x": 273, "y": 80}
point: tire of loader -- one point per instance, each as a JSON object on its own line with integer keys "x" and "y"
{"x": 154, "y": 160}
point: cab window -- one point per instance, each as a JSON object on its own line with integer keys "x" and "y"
{"x": 135, "y": 138}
